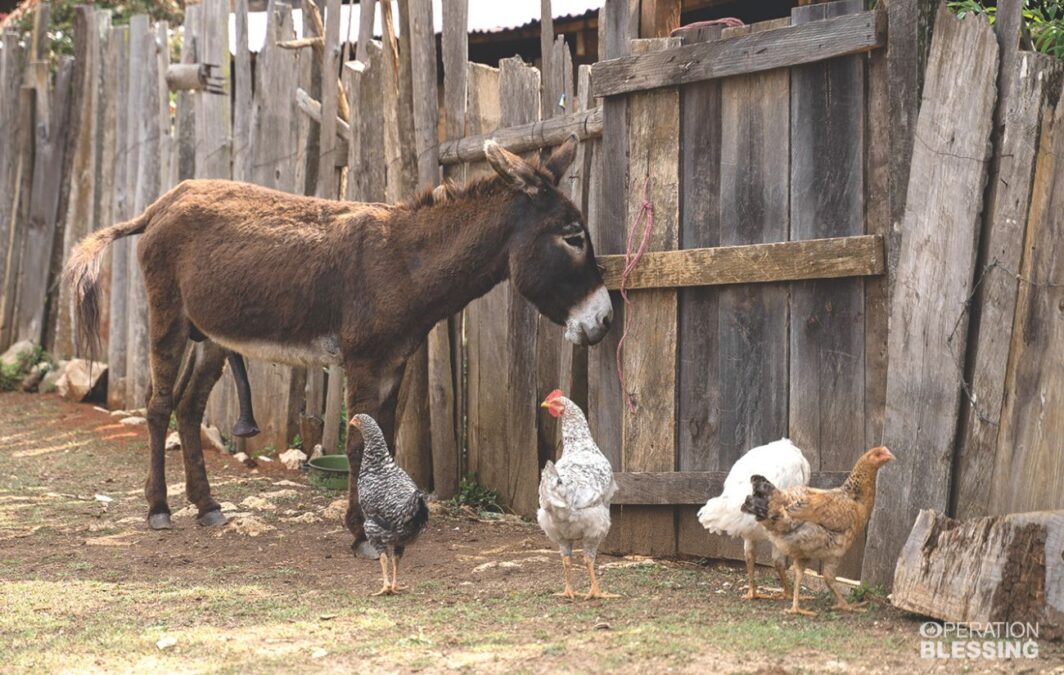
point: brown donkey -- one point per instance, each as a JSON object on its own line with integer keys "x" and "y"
{"x": 310, "y": 282}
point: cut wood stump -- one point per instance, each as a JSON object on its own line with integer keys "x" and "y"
{"x": 1003, "y": 568}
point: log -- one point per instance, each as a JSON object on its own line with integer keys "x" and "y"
{"x": 996, "y": 569}
{"x": 312, "y": 108}
{"x": 525, "y": 137}
{"x": 741, "y": 55}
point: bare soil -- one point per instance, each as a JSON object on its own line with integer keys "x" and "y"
{"x": 85, "y": 586}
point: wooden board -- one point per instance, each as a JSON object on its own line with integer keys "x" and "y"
{"x": 121, "y": 206}
{"x": 242, "y": 110}
{"x": 650, "y": 349}
{"x": 105, "y": 162}
{"x": 778, "y": 46}
{"x": 1001, "y": 244}
{"x": 485, "y": 346}
{"x": 11, "y": 67}
{"x": 522, "y": 138}
{"x": 691, "y": 487}
{"x": 833, "y": 258}
{"x": 754, "y": 208}
{"x": 1028, "y": 471}
{"x": 519, "y": 98}
{"x": 928, "y": 314}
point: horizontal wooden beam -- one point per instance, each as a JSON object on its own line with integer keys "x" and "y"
{"x": 858, "y": 256}
{"x": 751, "y": 53}
{"x": 312, "y": 108}
{"x": 526, "y": 137}
{"x": 690, "y": 487}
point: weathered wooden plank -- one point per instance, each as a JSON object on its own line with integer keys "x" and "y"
{"x": 1028, "y": 472}
{"x": 837, "y": 257}
{"x": 185, "y": 122}
{"x": 12, "y": 66}
{"x": 826, "y": 401}
{"x": 80, "y": 212}
{"x": 485, "y": 342}
{"x": 105, "y": 162}
{"x": 743, "y": 54}
{"x": 519, "y": 92}
{"x": 121, "y": 206}
{"x": 659, "y": 18}
{"x": 698, "y": 392}
{"x": 581, "y": 175}
{"x": 365, "y": 28}
{"x": 989, "y": 570}
{"x": 1011, "y": 180}
{"x": 525, "y": 137}
{"x": 550, "y": 87}
{"x": 754, "y": 208}
{"x": 928, "y": 313}
{"x": 242, "y": 95}
{"x": 649, "y": 359}
{"x": 690, "y": 487}
{"x": 365, "y": 177}
{"x": 607, "y": 229}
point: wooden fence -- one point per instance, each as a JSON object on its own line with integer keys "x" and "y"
{"x": 788, "y": 234}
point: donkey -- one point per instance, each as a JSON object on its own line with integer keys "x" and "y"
{"x": 311, "y": 282}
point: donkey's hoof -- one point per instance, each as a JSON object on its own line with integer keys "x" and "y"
{"x": 160, "y": 521}
{"x": 363, "y": 549}
{"x": 212, "y": 518}
{"x": 245, "y": 429}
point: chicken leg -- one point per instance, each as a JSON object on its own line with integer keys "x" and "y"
{"x": 750, "y": 554}
{"x": 386, "y": 589}
{"x": 595, "y": 592}
{"x": 567, "y": 564}
{"x": 396, "y": 588}
{"x": 841, "y": 603}
{"x": 799, "y": 570}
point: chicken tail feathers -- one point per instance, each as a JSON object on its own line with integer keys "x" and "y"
{"x": 421, "y": 514}
{"x": 757, "y": 503}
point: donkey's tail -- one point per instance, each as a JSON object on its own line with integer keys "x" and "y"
{"x": 82, "y": 276}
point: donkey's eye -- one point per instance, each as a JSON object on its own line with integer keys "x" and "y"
{"x": 574, "y": 240}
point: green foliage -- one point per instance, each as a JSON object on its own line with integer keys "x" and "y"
{"x": 863, "y": 592}
{"x": 1044, "y": 20}
{"x": 61, "y": 18}
{"x": 297, "y": 442}
{"x": 12, "y": 375}
{"x": 476, "y": 496}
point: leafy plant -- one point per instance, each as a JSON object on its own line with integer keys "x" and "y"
{"x": 864, "y": 591}
{"x": 297, "y": 442}
{"x": 1044, "y": 20}
{"x": 11, "y": 375}
{"x": 476, "y": 496}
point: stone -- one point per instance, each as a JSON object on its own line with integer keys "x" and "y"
{"x": 293, "y": 458}
{"x": 173, "y": 441}
{"x": 258, "y": 503}
{"x": 213, "y": 436}
{"x": 33, "y": 379}
{"x": 317, "y": 452}
{"x": 51, "y": 378}
{"x": 10, "y": 357}
{"x": 336, "y": 510}
{"x": 80, "y": 377}
{"x": 133, "y": 421}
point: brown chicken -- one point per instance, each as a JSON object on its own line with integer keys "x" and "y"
{"x": 810, "y": 524}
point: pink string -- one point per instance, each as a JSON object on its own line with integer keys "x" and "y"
{"x": 646, "y": 211}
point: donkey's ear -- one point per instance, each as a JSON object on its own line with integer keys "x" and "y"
{"x": 562, "y": 158}
{"x": 518, "y": 173}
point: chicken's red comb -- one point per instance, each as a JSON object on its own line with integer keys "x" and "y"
{"x": 556, "y": 394}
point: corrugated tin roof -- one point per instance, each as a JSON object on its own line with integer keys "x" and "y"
{"x": 485, "y": 16}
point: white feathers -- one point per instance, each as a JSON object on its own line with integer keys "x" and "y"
{"x": 781, "y": 462}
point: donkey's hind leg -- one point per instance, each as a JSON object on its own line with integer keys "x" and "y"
{"x": 209, "y": 359}
{"x": 168, "y": 333}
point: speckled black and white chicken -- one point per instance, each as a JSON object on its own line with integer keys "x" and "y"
{"x": 785, "y": 465}
{"x": 575, "y": 493}
{"x": 393, "y": 506}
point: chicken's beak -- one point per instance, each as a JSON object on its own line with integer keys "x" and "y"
{"x": 356, "y": 424}
{"x": 890, "y": 455}
{"x": 545, "y": 404}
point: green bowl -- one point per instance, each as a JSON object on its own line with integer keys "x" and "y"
{"x": 329, "y": 471}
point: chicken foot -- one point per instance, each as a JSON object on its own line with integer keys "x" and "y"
{"x": 386, "y": 589}
{"x": 595, "y": 592}
{"x": 799, "y": 570}
{"x": 841, "y": 603}
{"x": 396, "y": 588}
{"x": 750, "y": 554}
{"x": 567, "y": 564}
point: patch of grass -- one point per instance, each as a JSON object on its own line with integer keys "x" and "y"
{"x": 476, "y": 496}
{"x": 863, "y": 592}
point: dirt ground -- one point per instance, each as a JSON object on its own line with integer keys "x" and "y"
{"x": 84, "y": 586}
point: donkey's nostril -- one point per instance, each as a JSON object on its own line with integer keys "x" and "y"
{"x": 606, "y": 321}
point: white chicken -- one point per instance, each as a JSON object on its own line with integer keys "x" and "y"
{"x": 784, "y": 465}
{"x": 575, "y": 493}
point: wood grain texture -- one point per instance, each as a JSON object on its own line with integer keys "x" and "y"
{"x": 690, "y": 487}
{"x": 365, "y": 28}
{"x": 12, "y": 64}
{"x": 928, "y": 313}
{"x": 1012, "y": 176}
{"x": 523, "y": 138}
{"x": 754, "y": 208}
{"x": 1028, "y": 472}
{"x": 242, "y": 95}
{"x": 121, "y": 205}
{"x": 779, "y": 47}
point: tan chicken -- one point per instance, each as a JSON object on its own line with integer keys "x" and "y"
{"x": 810, "y": 524}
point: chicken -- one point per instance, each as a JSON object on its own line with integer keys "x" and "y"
{"x": 393, "y": 506}
{"x": 786, "y": 467}
{"x": 575, "y": 493}
{"x": 810, "y": 524}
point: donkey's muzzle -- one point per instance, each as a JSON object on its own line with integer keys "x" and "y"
{"x": 590, "y": 320}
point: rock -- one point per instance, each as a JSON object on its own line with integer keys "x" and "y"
{"x": 254, "y": 502}
{"x": 336, "y": 510}
{"x": 51, "y": 378}
{"x": 133, "y": 421}
{"x": 166, "y": 642}
{"x": 317, "y": 452}
{"x": 243, "y": 458}
{"x": 497, "y": 564}
{"x": 120, "y": 413}
{"x": 214, "y": 437}
{"x": 33, "y": 379}
{"x": 173, "y": 441}
{"x": 288, "y": 483}
{"x": 10, "y": 357}
{"x": 249, "y": 526}
{"x": 306, "y": 518}
{"x": 293, "y": 458}
{"x": 80, "y": 378}
{"x": 280, "y": 494}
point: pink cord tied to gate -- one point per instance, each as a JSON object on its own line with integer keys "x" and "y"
{"x": 646, "y": 212}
